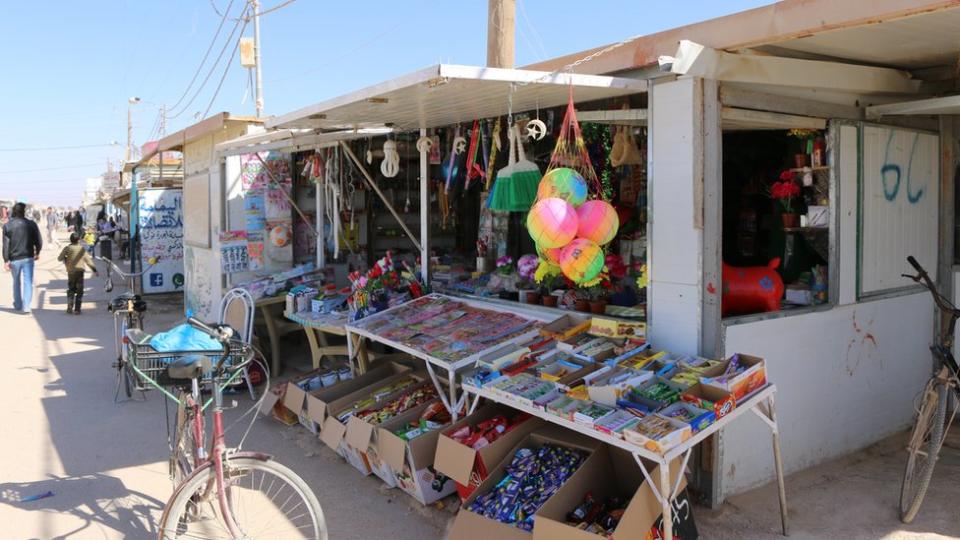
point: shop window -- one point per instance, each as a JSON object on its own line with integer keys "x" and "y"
{"x": 776, "y": 226}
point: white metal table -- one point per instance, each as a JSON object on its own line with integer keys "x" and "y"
{"x": 760, "y": 403}
{"x": 452, "y": 398}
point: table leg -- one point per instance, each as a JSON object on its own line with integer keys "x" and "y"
{"x": 352, "y": 354}
{"x": 362, "y": 358}
{"x": 315, "y": 353}
{"x": 665, "y": 502}
{"x": 271, "y": 324}
{"x": 452, "y": 382}
{"x": 778, "y": 464}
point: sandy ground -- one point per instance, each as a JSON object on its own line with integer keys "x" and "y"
{"x": 106, "y": 463}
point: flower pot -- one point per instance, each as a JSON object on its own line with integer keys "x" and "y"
{"x": 582, "y": 305}
{"x": 549, "y": 300}
{"x": 598, "y": 307}
{"x": 531, "y": 297}
{"x": 790, "y": 219}
{"x": 509, "y": 295}
{"x": 800, "y": 160}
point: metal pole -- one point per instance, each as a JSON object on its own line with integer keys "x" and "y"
{"x": 256, "y": 56}
{"x": 129, "y": 131}
{"x": 425, "y": 217}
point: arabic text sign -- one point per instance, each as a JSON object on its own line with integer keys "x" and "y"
{"x": 160, "y": 225}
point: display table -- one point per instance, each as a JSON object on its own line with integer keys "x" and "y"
{"x": 452, "y": 397}
{"x": 760, "y": 403}
{"x": 453, "y": 334}
{"x": 318, "y": 326}
{"x": 269, "y": 307}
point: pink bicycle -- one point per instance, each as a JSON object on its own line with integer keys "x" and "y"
{"x": 221, "y": 492}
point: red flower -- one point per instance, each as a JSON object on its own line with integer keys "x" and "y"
{"x": 786, "y": 176}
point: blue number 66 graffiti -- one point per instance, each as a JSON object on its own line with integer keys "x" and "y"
{"x": 891, "y": 193}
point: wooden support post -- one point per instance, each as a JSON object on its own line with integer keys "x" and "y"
{"x": 501, "y": 20}
{"x": 425, "y": 217}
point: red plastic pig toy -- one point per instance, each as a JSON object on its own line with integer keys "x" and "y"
{"x": 751, "y": 289}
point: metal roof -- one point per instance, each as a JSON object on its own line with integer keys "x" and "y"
{"x": 292, "y": 140}
{"x": 446, "y": 94}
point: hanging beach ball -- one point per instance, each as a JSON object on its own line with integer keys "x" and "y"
{"x": 582, "y": 260}
{"x": 551, "y": 255}
{"x": 563, "y": 183}
{"x": 552, "y": 223}
{"x": 598, "y": 221}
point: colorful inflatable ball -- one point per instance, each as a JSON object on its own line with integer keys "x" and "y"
{"x": 552, "y": 223}
{"x": 598, "y": 221}
{"x": 551, "y": 255}
{"x": 563, "y": 183}
{"x": 582, "y": 260}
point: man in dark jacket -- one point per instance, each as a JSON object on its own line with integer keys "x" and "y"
{"x": 21, "y": 246}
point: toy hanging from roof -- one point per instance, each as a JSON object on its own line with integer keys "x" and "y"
{"x": 563, "y": 218}
{"x": 390, "y": 166}
{"x": 515, "y": 188}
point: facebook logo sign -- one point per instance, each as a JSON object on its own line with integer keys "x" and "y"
{"x": 156, "y": 279}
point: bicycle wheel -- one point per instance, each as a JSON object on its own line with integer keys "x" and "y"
{"x": 183, "y": 455}
{"x": 267, "y": 500}
{"x": 923, "y": 448}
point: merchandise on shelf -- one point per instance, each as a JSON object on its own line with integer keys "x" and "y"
{"x": 374, "y": 398}
{"x": 381, "y": 413}
{"x": 487, "y": 431}
{"x": 531, "y": 478}
{"x": 435, "y": 416}
{"x": 657, "y": 433}
{"x": 596, "y": 517}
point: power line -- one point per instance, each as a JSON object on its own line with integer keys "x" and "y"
{"x": 77, "y": 166}
{"x": 226, "y": 70}
{"x": 215, "y": 10}
{"x": 277, "y": 7}
{"x": 45, "y": 148}
{"x": 213, "y": 68}
{"x": 223, "y": 19}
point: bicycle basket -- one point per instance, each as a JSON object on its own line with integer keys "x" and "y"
{"x": 152, "y": 364}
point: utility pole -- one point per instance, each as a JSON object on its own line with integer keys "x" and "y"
{"x": 501, "y": 21}
{"x": 130, "y": 103}
{"x": 163, "y": 121}
{"x": 256, "y": 54}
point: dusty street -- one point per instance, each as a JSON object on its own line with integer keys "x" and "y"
{"x": 105, "y": 462}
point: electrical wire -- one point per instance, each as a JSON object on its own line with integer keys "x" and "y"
{"x": 46, "y": 148}
{"x": 223, "y": 19}
{"x": 213, "y": 68}
{"x": 533, "y": 29}
{"x": 226, "y": 70}
{"x": 65, "y": 167}
{"x": 275, "y": 8}
{"x": 217, "y": 11}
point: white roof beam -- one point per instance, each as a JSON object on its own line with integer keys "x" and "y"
{"x": 701, "y": 61}
{"x": 938, "y": 105}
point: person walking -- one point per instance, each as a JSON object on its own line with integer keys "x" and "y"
{"x": 21, "y": 247}
{"x": 76, "y": 259}
{"x": 52, "y": 222}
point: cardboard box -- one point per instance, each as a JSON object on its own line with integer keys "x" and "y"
{"x": 294, "y": 396}
{"x": 661, "y": 444}
{"x": 334, "y": 432}
{"x": 699, "y": 419}
{"x": 411, "y": 463}
{"x": 710, "y": 398}
{"x": 468, "y": 467}
{"x": 565, "y": 327}
{"x": 746, "y": 382}
{"x": 609, "y": 472}
{"x": 470, "y": 526}
{"x": 315, "y": 403}
{"x": 616, "y": 328}
{"x": 602, "y": 389}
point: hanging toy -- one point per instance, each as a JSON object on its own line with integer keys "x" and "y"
{"x": 424, "y": 144}
{"x": 492, "y": 160}
{"x": 619, "y": 148}
{"x": 390, "y": 166}
{"x": 369, "y": 155}
{"x": 536, "y": 129}
{"x": 474, "y": 170}
{"x": 564, "y": 183}
{"x": 515, "y": 189}
{"x": 459, "y": 143}
{"x": 552, "y": 223}
{"x": 581, "y": 260}
{"x": 598, "y": 221}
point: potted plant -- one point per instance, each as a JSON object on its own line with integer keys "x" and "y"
{"x": 597, "y": 293}
{"x": 546, "y": 276}
{"x": 784, "y": 192}
{"x": 806, "y": 144}
{"x": 526, "y": 269}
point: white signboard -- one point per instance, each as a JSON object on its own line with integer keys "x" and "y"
{"x": 161, "y": 235}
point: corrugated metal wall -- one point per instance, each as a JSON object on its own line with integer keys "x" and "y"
{"x": 899, "y": 193}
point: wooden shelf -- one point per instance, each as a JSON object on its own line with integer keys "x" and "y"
{"x": 814, "y": 169}
{"x": 807, "y": 229}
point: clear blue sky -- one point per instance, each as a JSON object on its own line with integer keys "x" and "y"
{"x": 69, "y": 67}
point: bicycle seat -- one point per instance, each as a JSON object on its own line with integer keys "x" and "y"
{"x": 189, "y": 367}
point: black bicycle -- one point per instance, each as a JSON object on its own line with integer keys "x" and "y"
{"x": 937, "y": 406}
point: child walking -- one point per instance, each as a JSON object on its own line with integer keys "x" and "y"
{"x": 75, "y": 258}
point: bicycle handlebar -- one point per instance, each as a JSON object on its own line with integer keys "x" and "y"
{"x": 126, "y": 275}
{"x": 924, "y": 278}
{"x": 223, "y": 334}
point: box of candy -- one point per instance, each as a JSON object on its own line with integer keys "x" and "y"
{"x": 689, "y": 373}
{"x": 652, "y": 395}
{"x": 475, "y": 444}
{"x": 657, "y": 433}
{"x": 534, "y": 471}
{"x": 563, "y": 406}
{"x": 588, "y": 412}
{"x": 608, "y": 498}
{"x": 565, "y": 327}
{"x": 713, "y": 399}
{"x": 609, "y": 386}
{"x": 403, "y": 452}
{"x": 615, "y": 422}
{"x": 741, "y": 374}
{"x": 697, "y": 418}
{"x": 362, "y": 422}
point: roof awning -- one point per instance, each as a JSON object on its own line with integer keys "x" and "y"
{"x": 292, "y": 140}
{"x": 931, "y": 106}
{"x": 444, "y": 94}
